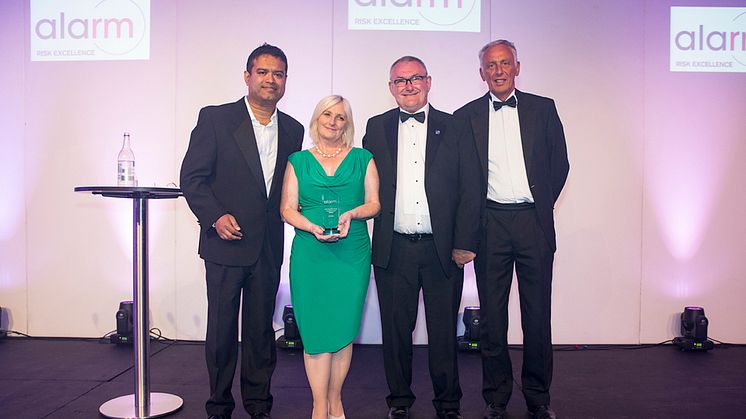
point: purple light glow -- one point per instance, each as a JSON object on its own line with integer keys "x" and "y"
{"x": 684, "y": 182}
{"x": 13, "y": 203}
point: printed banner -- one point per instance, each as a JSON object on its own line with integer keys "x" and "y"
{"x": 90, "y": 30}
{"x": 708, "y": 39}
{"x": 415, "y": 15}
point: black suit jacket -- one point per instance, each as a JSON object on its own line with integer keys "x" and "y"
{"x": 222, "y": 173}
{"x": 544, "y": 150}
{"x": 451, "y": 184}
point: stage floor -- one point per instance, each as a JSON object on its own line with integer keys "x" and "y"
{"x": 71, "y": 378}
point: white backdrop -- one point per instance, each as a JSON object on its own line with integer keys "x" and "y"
{"x": 650, "y": 220}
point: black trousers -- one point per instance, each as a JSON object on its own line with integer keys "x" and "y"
{"x": 414, "y": 265}
{"x": 226, "y": 286}
{"x": 514, "y": 239}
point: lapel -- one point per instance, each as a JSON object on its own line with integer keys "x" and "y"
{"x": 283, "y": 151}
{"x": 480, "y": 126}
{"x": 246, "y": 141}
{"x": 526, "y": 118}
{"x": 391, "y": 131}
{"x": 435, "y": 131}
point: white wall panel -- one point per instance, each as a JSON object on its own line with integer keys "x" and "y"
{"x": 650, "y": 219}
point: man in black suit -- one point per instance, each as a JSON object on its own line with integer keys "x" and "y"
{"x": 232, "y": 178}
{"x": 426, "y": 231}
{"x": 523, "y": 156}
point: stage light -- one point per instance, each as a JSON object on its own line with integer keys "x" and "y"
{"x": 694, "y": 330}
{"x": 124, "y": 317}
{"x": 3, "y": 332}
{"x": 290, "y": 339}
{"x": 470, "y": 340}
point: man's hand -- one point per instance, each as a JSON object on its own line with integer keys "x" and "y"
{"x": 462, "y": 257}
{"x": 228, "y": 228}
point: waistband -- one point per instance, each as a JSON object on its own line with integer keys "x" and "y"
{"x": 509, "y": 207}
{"x": 414, "y": 237}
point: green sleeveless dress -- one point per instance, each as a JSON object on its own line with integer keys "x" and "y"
{"x": 329, "y": 281}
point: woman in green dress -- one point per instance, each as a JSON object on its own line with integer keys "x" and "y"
{"x": 328, "y": 193}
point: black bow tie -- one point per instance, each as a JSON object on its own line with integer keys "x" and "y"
{"x": 419, "y": 116}
{"x": 510, "y": 102}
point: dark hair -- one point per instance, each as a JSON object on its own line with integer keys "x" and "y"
{"x": 408, "y": 58}
{"x": 266, "y": 49}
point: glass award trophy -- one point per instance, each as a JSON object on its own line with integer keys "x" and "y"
{"x": 330, "y": 207}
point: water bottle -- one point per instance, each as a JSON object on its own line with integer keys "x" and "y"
{"x": 126, "y": 164}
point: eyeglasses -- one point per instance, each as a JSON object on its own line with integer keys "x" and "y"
{"x": 401, "y": 81}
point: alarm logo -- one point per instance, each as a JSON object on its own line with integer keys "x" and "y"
{"x": 90, "y": 30}
{"x": 708, "y": 39}
{"x": 415, "y": 15}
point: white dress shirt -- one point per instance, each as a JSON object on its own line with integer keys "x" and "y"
{"x": 411, "y": 214}
{"x": 266, "y": 143}
{"x": 507, "y": 181}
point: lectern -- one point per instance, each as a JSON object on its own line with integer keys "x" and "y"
{"x": 142, "y": 404}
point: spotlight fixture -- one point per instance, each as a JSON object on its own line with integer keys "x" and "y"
{"x": 290, "y": 339}
{"x": 124, "y": 316}
{"x": 694, "y": 330}
{"x": 3, "y": 332}
{"x": 470, "y": 340}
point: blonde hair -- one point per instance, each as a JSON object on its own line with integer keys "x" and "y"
{"x": 325, "y": 103}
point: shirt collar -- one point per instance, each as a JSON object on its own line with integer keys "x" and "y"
{"x": 272, "y": 119}
{"x": 425, "y": 109}
{"x": 494, "y": 98}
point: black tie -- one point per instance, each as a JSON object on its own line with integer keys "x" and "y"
{"x": 510, "y": 102}
{"x": 419, "y": 116}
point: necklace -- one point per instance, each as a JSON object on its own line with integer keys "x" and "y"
{"x": 328, "y": 156}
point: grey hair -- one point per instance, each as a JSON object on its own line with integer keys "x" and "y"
{"x": 406, "y": 59}
{"x": 498, "y": 42}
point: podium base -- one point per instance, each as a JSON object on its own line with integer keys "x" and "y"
{"x": 161, "y": 404}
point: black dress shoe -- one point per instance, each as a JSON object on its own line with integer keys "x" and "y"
{"x": 493, "y": 411}
{"x": 449, "y": 414}
{"x": 543, "y": 412}
{"x": 261, "y": 415}
{"x": 398, "y": 413}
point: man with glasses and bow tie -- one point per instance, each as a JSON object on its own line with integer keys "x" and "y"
{"x": 523, "y": 160}
{"x": 426, "y": 232}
